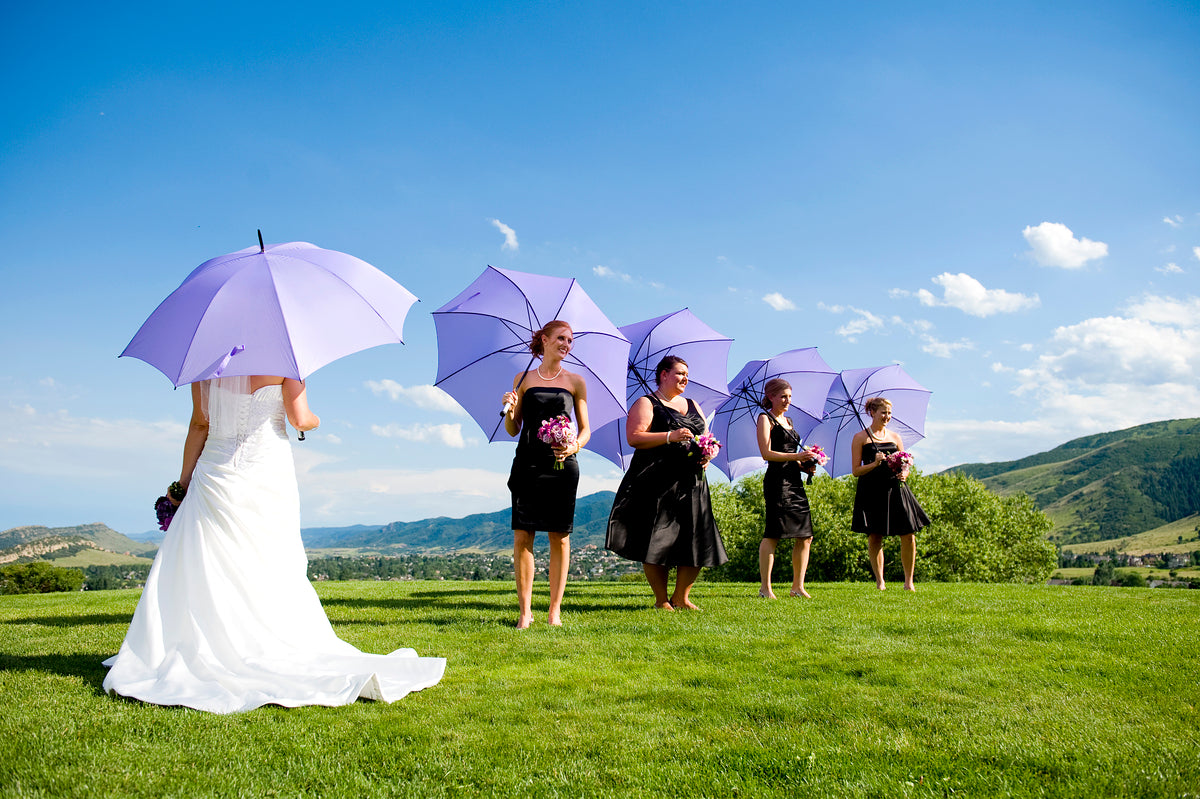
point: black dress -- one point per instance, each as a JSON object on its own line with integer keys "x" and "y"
{"x": 883, "y": 504}
{"x": 662, "y": 513}
{"x": 786, "y": 500}
{"x": 543, "y": 498}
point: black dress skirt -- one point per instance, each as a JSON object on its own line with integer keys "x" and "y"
{"x": 543, "y": 498}
{"x": 883, "y": 504}
{"x": 662, "y": 513}
{"x": 786, "y": 500}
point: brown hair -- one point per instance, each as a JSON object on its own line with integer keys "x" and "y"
{"x": 665, "y": 365}
{"x": 876, "y": 402}
{"x": 535, "y": 344}
{"x": 774, "y": 387}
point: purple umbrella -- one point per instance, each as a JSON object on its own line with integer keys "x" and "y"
{"x": 680, "y": 333}
{"x": 483, "y": 338}
{"x": 736, "y": 420}
{"x": 845, "y": 413}
{"x": 286, "y": 309}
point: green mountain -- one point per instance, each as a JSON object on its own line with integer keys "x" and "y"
{"x": 487, "y": 532}
{"x": 21, "y": 544}
{"x": 1109, "y": 485}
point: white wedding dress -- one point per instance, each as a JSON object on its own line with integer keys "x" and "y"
{"x": 228, "y": 620}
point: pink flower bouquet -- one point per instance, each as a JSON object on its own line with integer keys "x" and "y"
{"x": 819, "y": 458}
{"x": 900, "y": 463}
{"x": 706, "y": 445}
{"x": 558, "y": 431}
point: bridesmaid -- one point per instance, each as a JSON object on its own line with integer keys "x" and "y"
{"x": 662, "y": 514}
{"x": 884, "y": 505}
{"x": 544, "y": 479}
{"x": 783, "y": 489}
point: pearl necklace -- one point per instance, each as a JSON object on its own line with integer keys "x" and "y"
{"x": 556, "y": 374}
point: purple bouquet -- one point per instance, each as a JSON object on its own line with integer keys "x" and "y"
{"x": 557, "y": 431}
{"x": 164, "y": 508}
{"x": 706, "y": 445}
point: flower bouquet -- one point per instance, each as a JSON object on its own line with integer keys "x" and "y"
{"x": 706, "y": 445}
{"x": 557, "y": 432}
{"x": 900, "y": 463}
{"x": 819, "y": 458}
{"x": 164, "y": 509}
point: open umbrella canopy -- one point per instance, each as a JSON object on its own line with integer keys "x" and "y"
{"x": 483, "y": 338}
{"x": 282, "y": 309}
{"x": 736, "y": 421}
{"x": 680, "y": 333}
{"x": 845, "y": 412}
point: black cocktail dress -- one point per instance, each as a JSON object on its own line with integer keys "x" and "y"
{"x": 662, "y": 513}
{"x": 883, "y": 504}
{"x": 543, "y": 498}
{"x": 786, "y": 501}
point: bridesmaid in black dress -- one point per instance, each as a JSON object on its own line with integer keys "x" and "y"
{"x": 543, "y": 497}
{"x": 784, "y": 496}
{"x": 884, "y": 505}
{"x": 662, "y": 514}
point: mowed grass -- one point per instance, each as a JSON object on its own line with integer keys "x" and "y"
{"x": 958, "y": 690}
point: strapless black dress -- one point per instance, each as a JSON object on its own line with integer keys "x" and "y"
{"x": 662, "y": 513}
{"x": 883, "y": 505}
{"x": 543, "y": 498}
{"x": 786, "y": 501}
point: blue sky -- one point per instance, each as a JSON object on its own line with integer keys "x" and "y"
{"x": 1002, "y": 198}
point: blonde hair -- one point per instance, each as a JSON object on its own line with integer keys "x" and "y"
{"x": 876, "y": 402}
{"x": 535, "y": 344}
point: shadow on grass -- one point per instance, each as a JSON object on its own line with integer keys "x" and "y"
{"x": 73, "y": 621}
{"x": 84, "y": 665}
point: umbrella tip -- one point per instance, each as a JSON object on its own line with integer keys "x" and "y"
{"x": 261, "y": 247}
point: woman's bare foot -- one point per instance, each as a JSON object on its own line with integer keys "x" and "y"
{"x": 663, "y": 606}
{"x": 767, "y": 594}
{"x": 524, "y": 621}
{"x": 910, "y": 587}
{"x": 800, "y": 592}
{"x": 684, "y": 603}
{"x": 881, "y": 586}
{"x": 555, "y": 620}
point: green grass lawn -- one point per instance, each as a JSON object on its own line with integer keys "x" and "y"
{"x": 963, "y": 690}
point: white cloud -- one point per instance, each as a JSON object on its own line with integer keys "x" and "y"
{"x": 865, "y": 322}
{"x": 1196, "y": 252}
{"x": 779, "y": 302}
{"x": 944, "y": 349}
{"x": 448, "y": 434}
{"x": 1173, "y": 221}
{"x": 1170, "y": 269}
{"x": 510, "y": 235}
{"x": 611, "y": 274}
{"x": 430, "y": 398}
{"x": 968, "y": 295}
{"x": 1053, "y": 244}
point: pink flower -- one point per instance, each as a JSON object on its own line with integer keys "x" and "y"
{"x": 707, "y": 445}
{"x": 900, "y": 463}
{"x": 557, "y": 432}
{"x": 818, "y": 455}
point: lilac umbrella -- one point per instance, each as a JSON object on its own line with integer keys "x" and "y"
{"x": 483, "y": 338}
{"x": 845, "y": 413}
{"x": 283, "y": 309}
{"x": 736, "y": 422}
{"x": 680, "y": 333}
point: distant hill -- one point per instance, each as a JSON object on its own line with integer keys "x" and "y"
{"x": 1110, "y": 485}
{"x": 485, "y": 532}
{"x": 23, "y": 544}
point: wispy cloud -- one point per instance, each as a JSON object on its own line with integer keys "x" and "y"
{"x": 430, "y": 398}
{"x": 865, "y": 321}
{"x": 611, "y": 274}
{"x": 1173, "y": 221}
{"x": 1053, "y": 244}
{"x": 1170, "y": 269}
{"x": 779, "y": 302}
{"x": 449, "y": 434}
{"x": 1196, "y": 252}
{"x": 968, "y": 295}
{"x": 510, "y": 235}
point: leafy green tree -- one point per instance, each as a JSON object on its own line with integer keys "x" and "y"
{"x": 38, "y": 577}
{"x": 1103, "y": 574}
{"x": 976, "y": 535}
{"x": 1130, "y": 580}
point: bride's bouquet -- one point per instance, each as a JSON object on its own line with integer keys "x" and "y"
{"x": 557, "y": 431}
{"x": 819, "y": 458}
{"x": 900, "y": 463}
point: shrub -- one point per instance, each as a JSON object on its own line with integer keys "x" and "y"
{"x": 38, "y": 577}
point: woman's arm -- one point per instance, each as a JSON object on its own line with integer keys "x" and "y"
{"x": 295, "y": 404}
{"x": 193, "y": 445}
{"x": 583, "y": 426}
{"x": 764, "y": 445}
{"x": 858, "y": 468}
{"x": 512, "y": 419}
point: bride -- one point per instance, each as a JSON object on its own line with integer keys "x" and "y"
{"x": 228, "y": 621}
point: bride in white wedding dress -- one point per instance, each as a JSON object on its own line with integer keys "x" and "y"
{"x": 228, "y": 620}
